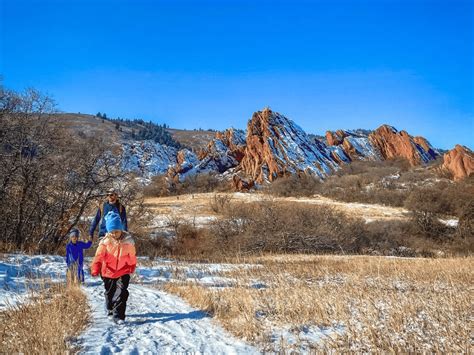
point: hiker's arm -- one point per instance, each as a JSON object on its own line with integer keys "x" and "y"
{"x": 96, "y": 265}
{"x": 86, "y": 245}
{"x": 124, "y": 218}
{"x": 95, "y": 222}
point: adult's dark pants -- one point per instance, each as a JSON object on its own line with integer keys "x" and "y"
{"x": 116, "y": 295}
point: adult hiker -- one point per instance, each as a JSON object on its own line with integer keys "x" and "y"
{"x": 112, "y": 204}
{"x": 114, "y": 261}
{"x": 75, "y": 256}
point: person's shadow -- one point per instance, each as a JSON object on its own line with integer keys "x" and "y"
{"x": 165, "y": 317}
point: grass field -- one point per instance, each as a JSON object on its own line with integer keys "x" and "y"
{"x": 45, "y": 324}
{"x": 357, "y": 303}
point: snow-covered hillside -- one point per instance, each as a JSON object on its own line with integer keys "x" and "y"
{"x": 147, "y": 158}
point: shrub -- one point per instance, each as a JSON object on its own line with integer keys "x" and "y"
{"x": 153, "y": 246}
{"x": 192, "y": 241}
{"x": 273, "y": 227}
{"x": 219, "y": 202}
{"x": 465, "y": 228}
{"x": 427, "y": 201}
{"x": 294, "y": 185}
{"x": 202, "y": 183}
{"x": 158, "y": 187}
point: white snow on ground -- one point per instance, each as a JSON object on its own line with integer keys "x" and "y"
{"x": 450, "y": 222}
{"x": 157, "y": 322}
{"x": 301, "y": 337}
{"x": 162, "y": 270}
{"x": 21, "y": 274}
{"x": 163, "y": 221}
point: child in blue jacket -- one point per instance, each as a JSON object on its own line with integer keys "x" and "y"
{"x": 75, "y": 255}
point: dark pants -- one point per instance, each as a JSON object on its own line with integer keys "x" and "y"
{"x": 116, "y": 295}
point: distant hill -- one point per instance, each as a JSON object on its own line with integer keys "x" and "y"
{"x": 134, "y": 129}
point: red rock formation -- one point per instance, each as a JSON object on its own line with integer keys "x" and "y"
{"x": 235, "y": 145}
{"x": 422, "y": 142}
{"x": 258, "y": 151}
{"x": 459, "y": 162}
{"x": 350, "y": 150}
{"x": 185, "y": 161}
{"x": 229, "y": 144}
{"x": 276, "y": 146}
{"x": 240, "y": 184}
{"x": 393, "y": 144}
{"x": 335, "y": 138}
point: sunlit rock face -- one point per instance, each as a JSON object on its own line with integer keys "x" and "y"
{"x": 459, "y": 161}
{"x": 276, "y": 146}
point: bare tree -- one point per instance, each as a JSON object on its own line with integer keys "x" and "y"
{"x": 48, "y": 177}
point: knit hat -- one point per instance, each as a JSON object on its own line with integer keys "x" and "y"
{"x": 112, "y": 191}
{"x": 74, "y": 232}
{"x": 113, "y": 221}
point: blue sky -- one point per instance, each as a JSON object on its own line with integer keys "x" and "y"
{"x": 211, "y": 64}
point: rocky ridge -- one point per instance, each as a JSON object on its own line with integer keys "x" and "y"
{"x": 274, "y": 146}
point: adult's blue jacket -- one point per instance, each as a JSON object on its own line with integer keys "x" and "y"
{"x": 101, "y": 212}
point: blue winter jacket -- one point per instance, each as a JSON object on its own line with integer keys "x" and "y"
{"x": 74, "y": 253}
{"x": 106, "y": 208}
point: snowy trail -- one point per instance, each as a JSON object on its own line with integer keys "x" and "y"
{"x": 157, "y": 322}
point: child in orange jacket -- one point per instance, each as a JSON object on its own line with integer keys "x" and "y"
{"x": 114, "y": 261}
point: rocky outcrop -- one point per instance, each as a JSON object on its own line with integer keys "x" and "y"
{"x": 459, "y": 162}
{"x": 222, "y": 153}
{"x": 234, "y": 140}
{"x": 354, "y": 144}
{"x": 241, "y": 184}
{"x": 391, "y": 143}
{"x": 276, "y": 146}
{"x": 383, "y": 143}
{"x": 335, "y": 138}
{"x": 186, "y": 161}
{"x": 147, "y": 158}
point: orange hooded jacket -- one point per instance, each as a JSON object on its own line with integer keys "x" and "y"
{"x": 114, "y": 258}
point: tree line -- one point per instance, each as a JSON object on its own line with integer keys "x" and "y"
{"x": 143, "y": 130}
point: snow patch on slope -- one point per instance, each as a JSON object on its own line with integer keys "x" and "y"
{"x": 148, "y": 158}
{"x": 295, "y": 151}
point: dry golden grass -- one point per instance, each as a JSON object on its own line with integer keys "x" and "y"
{"x": 182, "y": 205}
{"x": 46, "y": 324}
{"x": 199, "y": 204}
{"x": 375, "y": 303}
